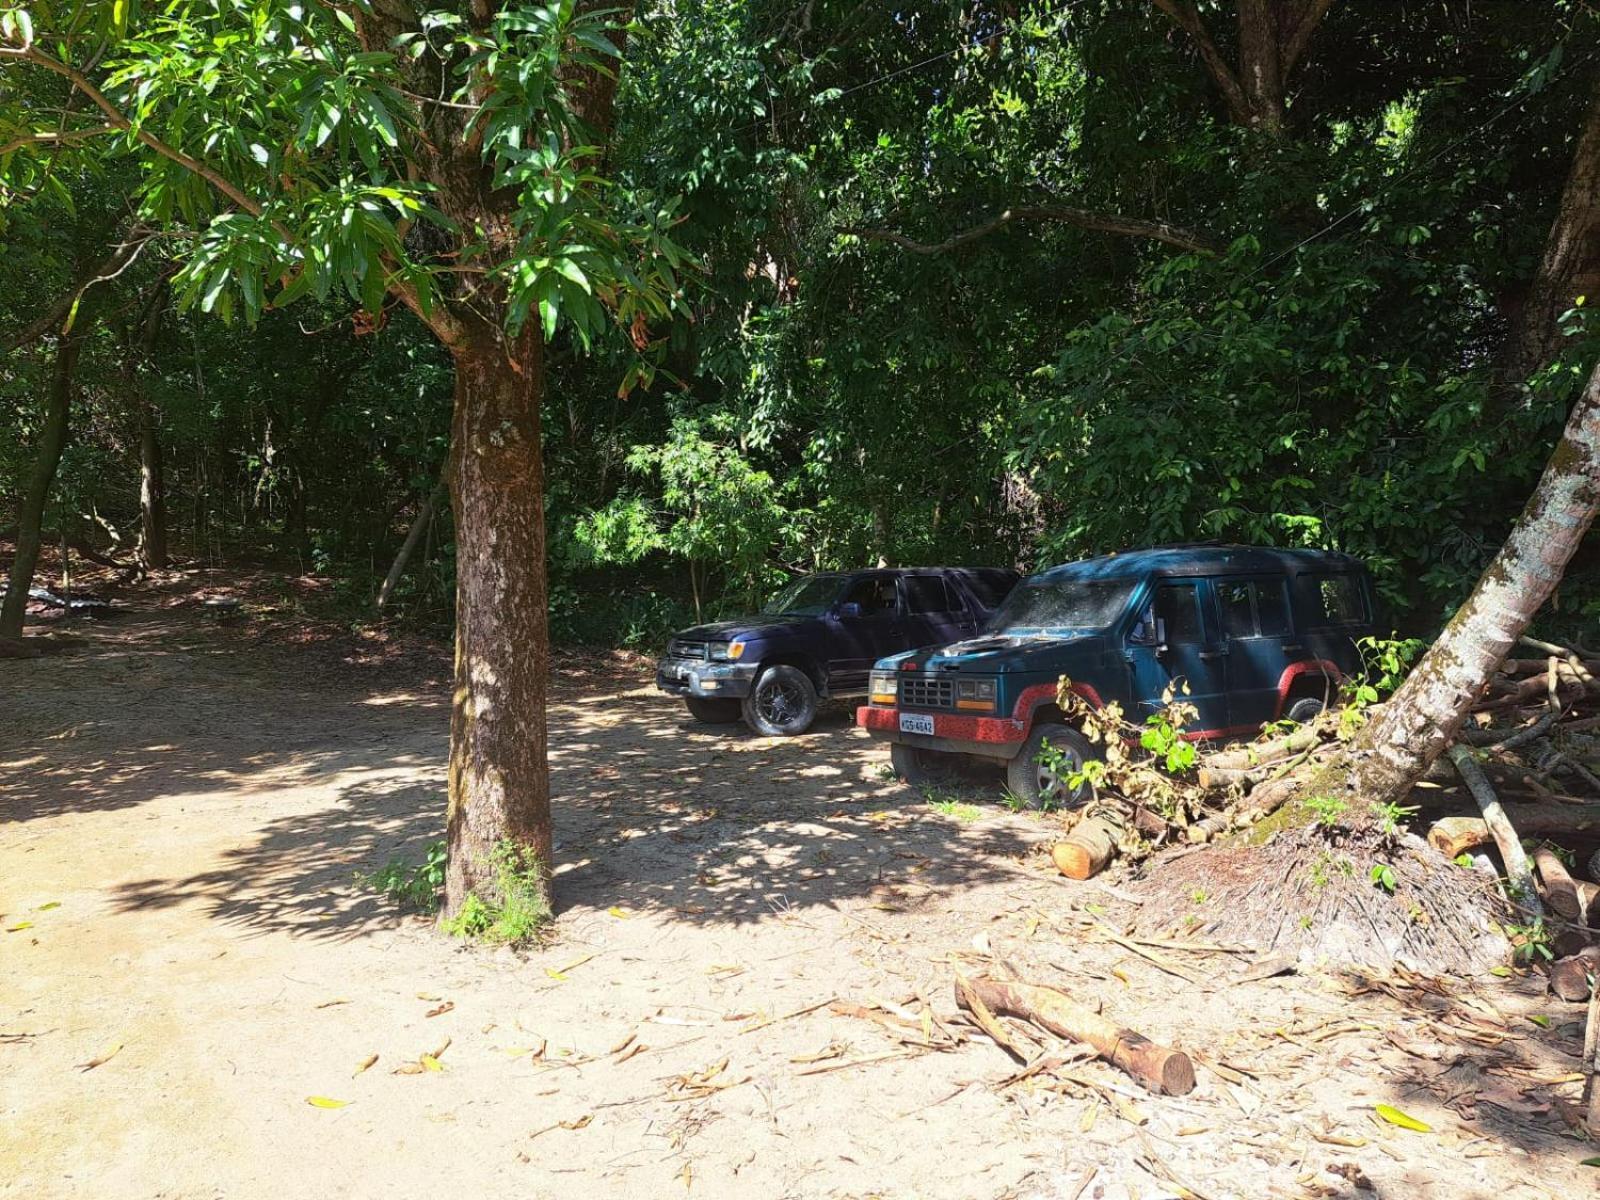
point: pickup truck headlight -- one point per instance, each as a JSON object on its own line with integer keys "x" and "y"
{"x": 975, "y": 694}
{"x": 882, "y": 688}
{"x": 724, "y": 651}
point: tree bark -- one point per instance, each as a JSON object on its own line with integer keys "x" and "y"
{"x": 1423, "y": 717}
{"x": 152, "y": 490}
{"x": 30, "y": 515}
{"x": 1571, "y": 264}
{"x": 499, "y": 782}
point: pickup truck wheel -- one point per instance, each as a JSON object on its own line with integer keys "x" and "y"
{"x": 1037, "y": 785}
{"x": 782, "y": 703}
{"x": 916, "y": 766}
{"x": 712, "y": 712}
{"x": 1305, "y": 710}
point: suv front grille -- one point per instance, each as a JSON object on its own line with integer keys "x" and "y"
{"x": 677, "y": 649}
{"x": 924, "y": 692}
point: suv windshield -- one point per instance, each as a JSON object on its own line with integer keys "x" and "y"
{"x": 1070, "y": 604}
{"x": 809, "y": 596}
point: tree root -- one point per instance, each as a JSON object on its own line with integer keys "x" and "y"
{"x": 1348, "y": 897}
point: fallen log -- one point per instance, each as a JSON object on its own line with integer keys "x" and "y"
{"x": 1158, "y": 1068}
{"x": 1244, "y": 757}
{"x": 1560, "y": 890}
{"x": 1456, "y": 835}
{"x": 1569, "y": 977}
{"x": 1519, "y": 874}
{"x": 1087, "y": 849}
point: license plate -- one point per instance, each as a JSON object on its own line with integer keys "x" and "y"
{"x": 916, "y": 723}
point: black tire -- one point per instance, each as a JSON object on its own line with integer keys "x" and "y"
{"x": 1035, "y": 785}
{"x": 712, "y": 712}
{"x": 919, "y": 767}
{"x": 1305, "y": 710}
{"x": 782, "y": 703}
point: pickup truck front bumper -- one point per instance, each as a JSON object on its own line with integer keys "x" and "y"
{"x": 954, "y": 733}
{"x": 705, "y": 680}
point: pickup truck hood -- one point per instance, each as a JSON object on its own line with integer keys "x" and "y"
{"x": 745, "y": 627}
{"x": 991, "y": 654}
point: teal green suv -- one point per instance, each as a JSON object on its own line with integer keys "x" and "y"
{"x": 1257, "y": 635}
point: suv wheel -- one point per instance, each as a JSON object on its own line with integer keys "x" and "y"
{"x": 712, "y": 712}
{"x": 919, "y": 767}
{"x": 782, "y": 703}
{"x": 1306, "y": 709}
{"x": 1037, "y": 785}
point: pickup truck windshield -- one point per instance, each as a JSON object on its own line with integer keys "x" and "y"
{"x": 810, "y": 596}
{"x": 1037, "y": 607}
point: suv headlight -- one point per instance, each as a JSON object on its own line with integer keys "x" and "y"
{"x": 882, "y": 688}
{"x": 975, "y": 694}
{"x": 724, "y": 651}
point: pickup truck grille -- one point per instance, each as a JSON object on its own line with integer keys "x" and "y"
{"x": 921, "y": 692}
{"x": 676, "y": 649}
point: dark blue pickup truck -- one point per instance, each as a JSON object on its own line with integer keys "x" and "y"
{"x": 1257, "y": 634}
{"x": 819, "y": 637}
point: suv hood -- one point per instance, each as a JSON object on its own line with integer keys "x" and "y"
{"x": 994, "y": 653}
{"x": 722, "y": 631}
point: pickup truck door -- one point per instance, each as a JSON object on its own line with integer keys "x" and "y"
{"x": 1193, "y": 652}
{"x": 868, "y": 624}
{"x": 1261, "y": 645}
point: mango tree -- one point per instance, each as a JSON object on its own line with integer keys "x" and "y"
{"x": 440, "y": 156}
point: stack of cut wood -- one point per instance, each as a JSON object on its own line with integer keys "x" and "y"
{"x": 1526, "y": 766}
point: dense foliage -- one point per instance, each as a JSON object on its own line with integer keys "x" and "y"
{"x": 1320, "y": 362}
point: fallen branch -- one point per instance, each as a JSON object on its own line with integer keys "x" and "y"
{"x": 1158, "y": 1068}
{"x": 1455, "y": 835}
{"x": 1560, "y": 889}
{"x": 1519, "y": 874}
{"x": 1087, "y": 849}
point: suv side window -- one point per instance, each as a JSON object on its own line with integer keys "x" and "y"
{"x": 928, "y": 594}
{"x": 1253, "y": 607}
{"x": 874, "y": 594}
{"x": 1338, "y": 600}
{"x": 1178, "y": 604}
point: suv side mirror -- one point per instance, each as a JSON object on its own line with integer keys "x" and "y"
{"x": 849, "y": 609}
{"x": 1150, "y": 633}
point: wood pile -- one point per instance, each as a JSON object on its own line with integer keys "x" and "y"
{"x": 1525, "y": 768}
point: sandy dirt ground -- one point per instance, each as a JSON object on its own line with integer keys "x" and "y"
{"x": 185, "y": 807}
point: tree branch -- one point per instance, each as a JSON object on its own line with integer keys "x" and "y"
{"x": 1188, "y": 19}
{"x": 440, "y": 321}
{"x": 1315, "y": 10}
{"x": 52, "y": 138}
{"x": 1159, "y": 231}
{"x": 58, "y": 315}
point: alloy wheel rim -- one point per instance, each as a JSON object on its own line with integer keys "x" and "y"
{"x": 779, "y": 703}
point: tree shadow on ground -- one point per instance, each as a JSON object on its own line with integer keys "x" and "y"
{"x": 653, "y": 812}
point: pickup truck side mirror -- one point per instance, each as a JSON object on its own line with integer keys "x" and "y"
{"x": 849, "y": 609}
{"x": 1150, "y": 632}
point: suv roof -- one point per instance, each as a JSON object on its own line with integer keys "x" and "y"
{"x": 1202, "y": 559}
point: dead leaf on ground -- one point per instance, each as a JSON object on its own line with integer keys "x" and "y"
{"x": 102, "y": 1058}
{"x": 325, "y": 1102}
{"x": 364, "y": 1065}
{"x": 331, "y": 1003}
{"x": 441, "y": 1010}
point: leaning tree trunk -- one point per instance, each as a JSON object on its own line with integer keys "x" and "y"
{"x": 30, "y": 514}
{"x": 499, "y": 783}
{"x": 1422, "y": 718}
{"x": 1571, "y": 264}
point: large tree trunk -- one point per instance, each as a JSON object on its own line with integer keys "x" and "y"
{"x": 1422, "y": 718}
{"x": 1571, "y": 264}
{"x": 30, "y": 514}
{"x": 499, "y": 782}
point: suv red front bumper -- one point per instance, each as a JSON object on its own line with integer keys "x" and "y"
{"x": 952, "y": 727}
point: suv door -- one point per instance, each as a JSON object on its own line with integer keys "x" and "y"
{"x": 1193, "y": 652}
{"x": 936, "y": 611}
{"x": 868, "y": 624}
{"x": 1261, "y": 644}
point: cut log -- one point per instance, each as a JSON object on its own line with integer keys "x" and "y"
{"x": 1560, "y": 891}
{"x": 1158, "y": 1068}
{"x": 1519, "y": 874}
{"x": 1569, "y": 977}
{"x": 1591, "y": 1061}
{"x": 1455, "y": 835}
{"x": 1089, "y": 847}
